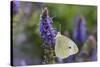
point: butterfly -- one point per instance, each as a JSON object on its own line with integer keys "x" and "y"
{"x": 64, "y": 46}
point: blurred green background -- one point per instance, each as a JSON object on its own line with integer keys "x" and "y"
{"x": 25, "y": 22}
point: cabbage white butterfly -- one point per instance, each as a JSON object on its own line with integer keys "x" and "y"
{"x": 64, "y": 47}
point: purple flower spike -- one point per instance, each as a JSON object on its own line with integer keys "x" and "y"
{"x": 79, "y": 32}
{"x": 46, "y": 31}
{"x": 15, "y": 5}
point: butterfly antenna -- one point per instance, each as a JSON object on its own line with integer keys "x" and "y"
{"x": 59, "y": 27}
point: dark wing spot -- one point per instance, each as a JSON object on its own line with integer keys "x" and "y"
{"x": 69, "y": 47}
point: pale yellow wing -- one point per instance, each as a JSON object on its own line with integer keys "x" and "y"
{"x": 64, "y": 46}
